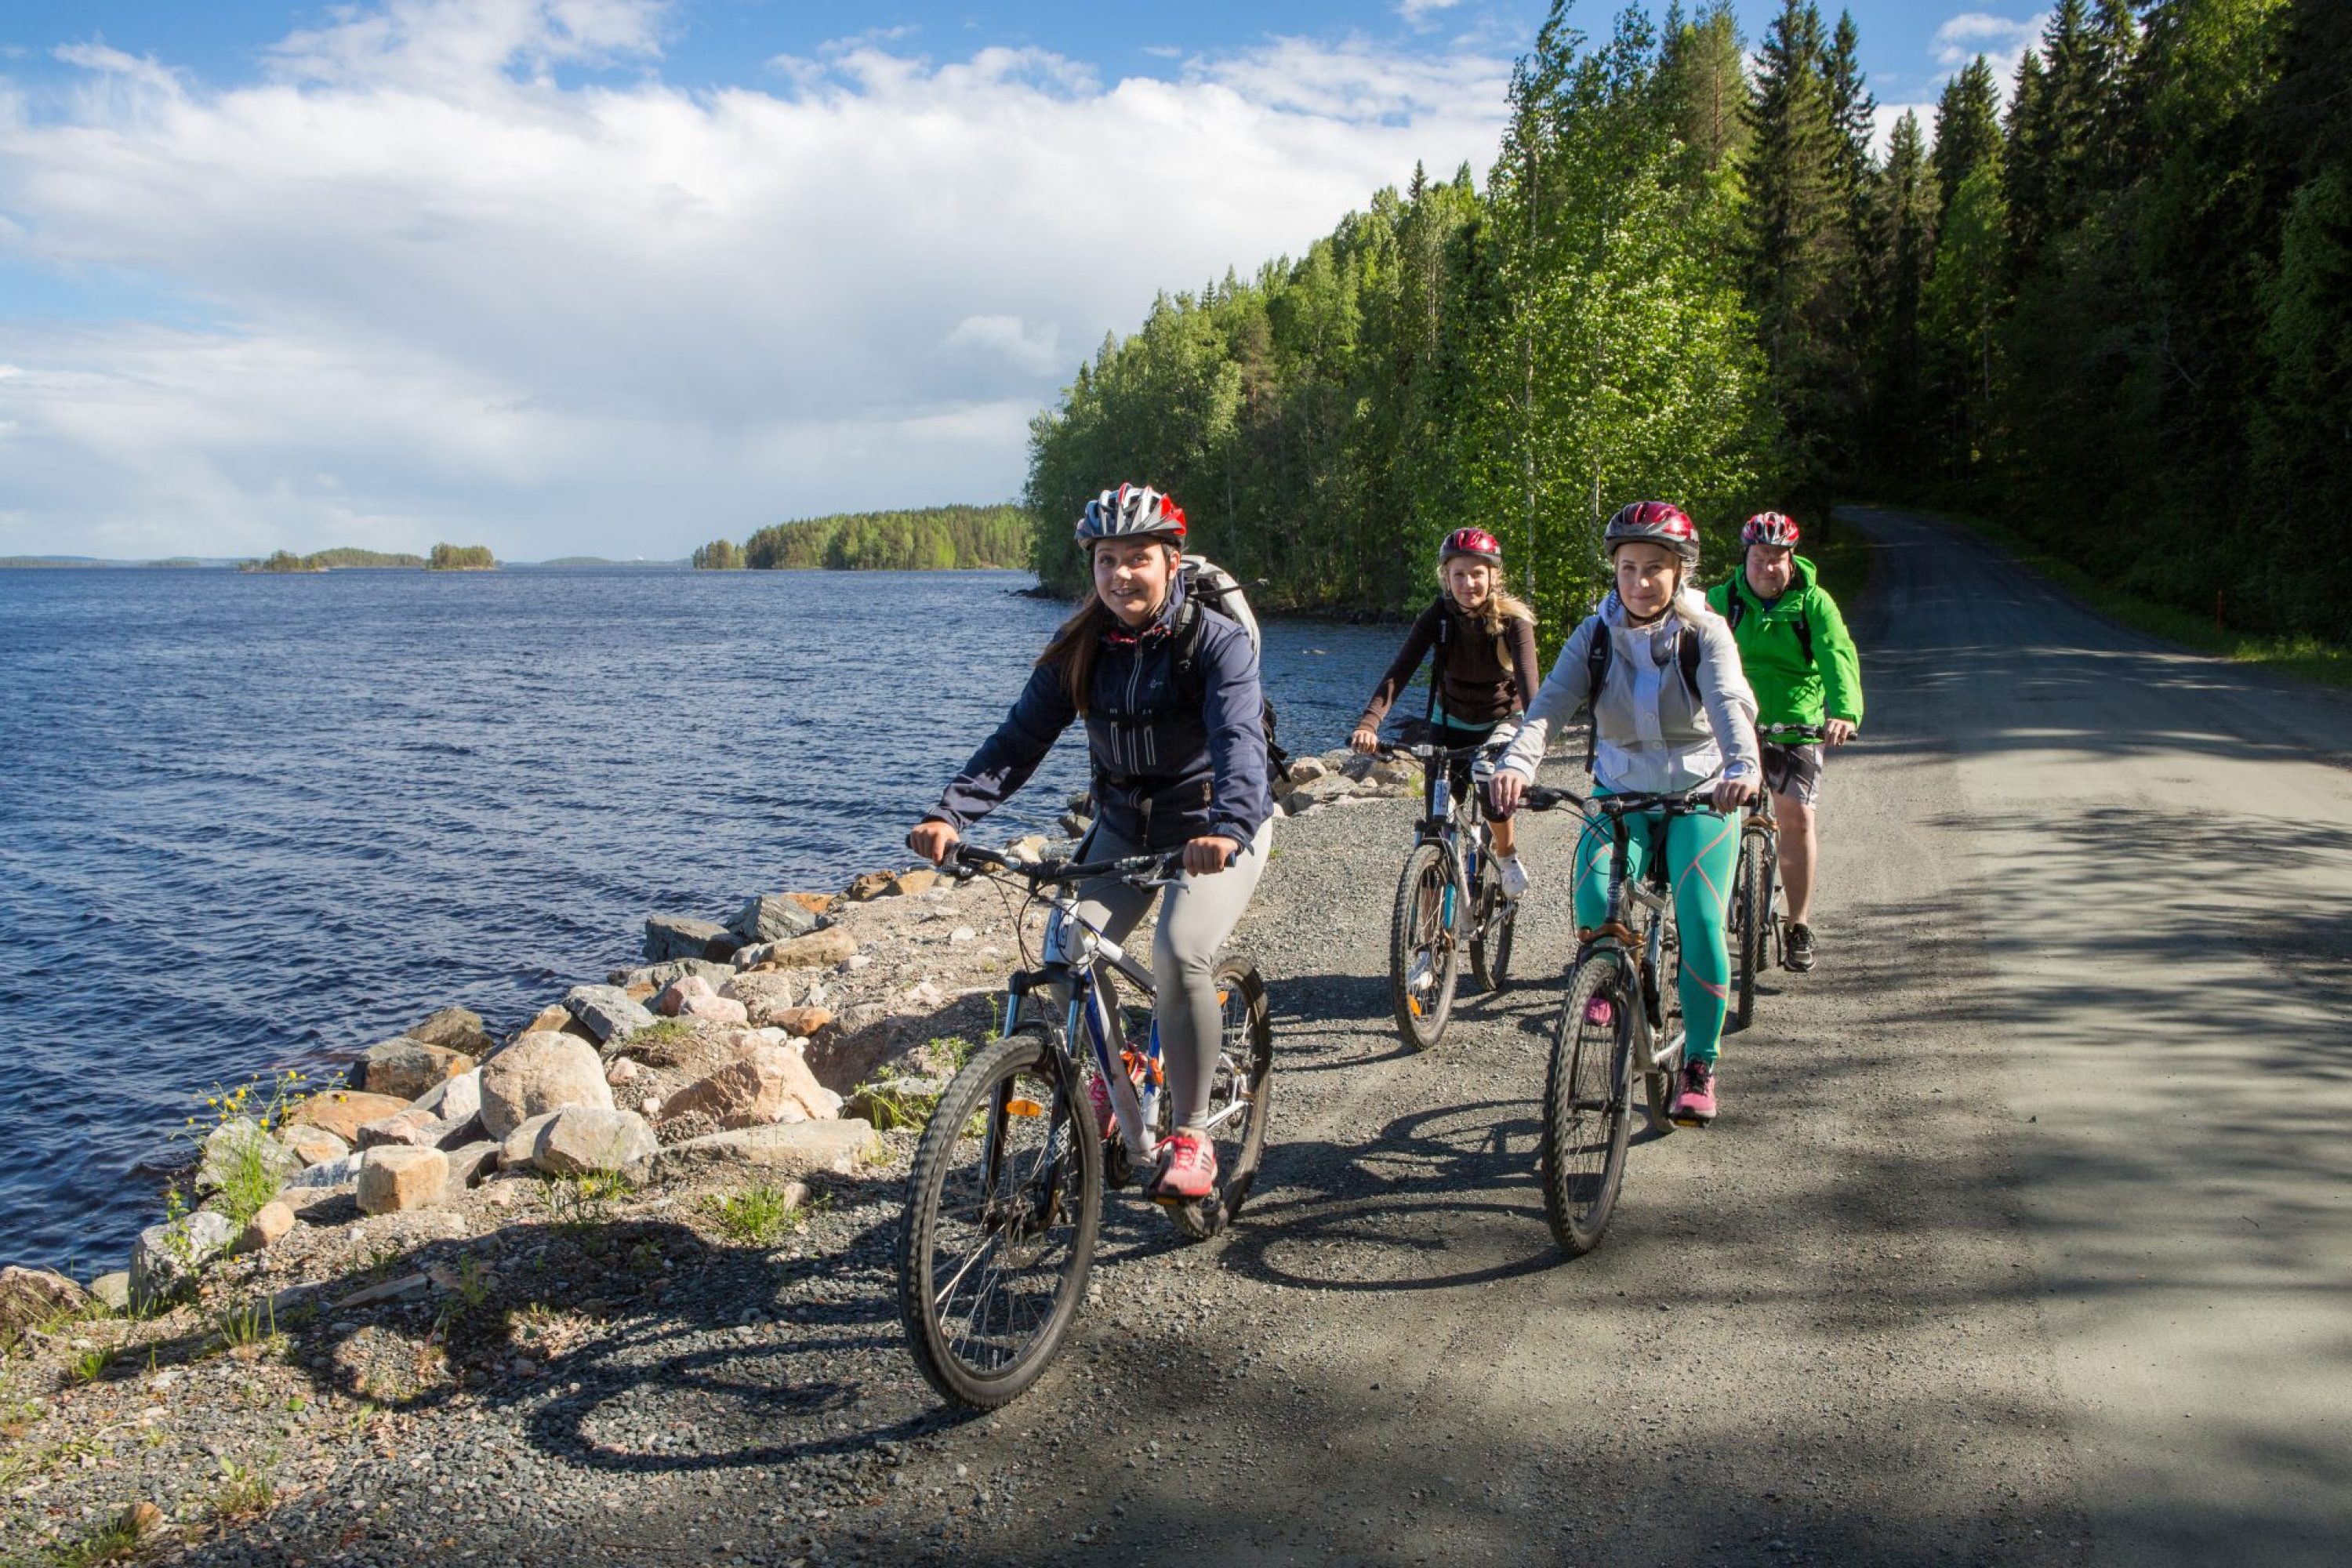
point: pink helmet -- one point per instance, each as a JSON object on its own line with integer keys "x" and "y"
{"x": 1654, "y": 522}
{"x": 1769, "y": 528}
{"x": 1474, "y": 542}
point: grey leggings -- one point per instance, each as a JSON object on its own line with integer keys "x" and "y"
{"x": 1196, "y": 917}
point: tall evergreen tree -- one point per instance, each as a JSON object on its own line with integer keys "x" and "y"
{"x": 1702, "y": 72}
{"x": 2028, "y": 160}
{"x": 1905, "y": 209}
{"x": 1967, "y": 129}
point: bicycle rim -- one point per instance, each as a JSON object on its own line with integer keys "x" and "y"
{"x": 1003, "y": 1205}
{"x": 1588, "y": 1105}
{"x": 1240, "y": 1099}
{"x": 1498, "y": 919}
{"x": 1425, "y": 962}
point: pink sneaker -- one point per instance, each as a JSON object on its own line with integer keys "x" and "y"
{"x": 1599, "y": 1013}
{"x": 1190, "y": 1170}
{"x": 1694, "y": 1100}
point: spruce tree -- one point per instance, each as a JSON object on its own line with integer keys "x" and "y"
{"x": 1968, "y": 130}
{"x": 1702, "y": 74}
{"x": 1905, "y": 209}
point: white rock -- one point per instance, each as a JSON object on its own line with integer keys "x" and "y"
{"x": 540, "y": 1072}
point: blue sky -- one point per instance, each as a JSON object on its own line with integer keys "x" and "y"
{"x": 619, "y": 275}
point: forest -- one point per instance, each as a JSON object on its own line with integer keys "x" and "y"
{"x": 929, "y": 538}
{"x": 2106, "y": 302}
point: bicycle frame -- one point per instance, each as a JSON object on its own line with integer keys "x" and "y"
{"x": 1460, "y": 826}
{"x": 1650, "y": 895}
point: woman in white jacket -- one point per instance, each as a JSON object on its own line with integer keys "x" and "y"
{"x": 1666, "y": 721}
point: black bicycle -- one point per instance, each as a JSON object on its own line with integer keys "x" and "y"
{"x": 1005, "y": 1197}
{"x": 1753, "y": 928}
{"x": 1621, "y": 1018}
{"x": 1449, "y": 900}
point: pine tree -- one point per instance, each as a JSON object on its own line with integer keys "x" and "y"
{"x": 1968, "y": 130}
{"x": 1802, "y": 262}
{"x": 1702, "y": 73}
{"x": 2029, "y": 162}
{"x": 1905, "y": 208}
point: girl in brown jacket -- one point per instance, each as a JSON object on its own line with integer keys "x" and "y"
{"x": 1486, "y": 671}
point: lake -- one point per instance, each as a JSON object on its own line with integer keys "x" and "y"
{"x": 249, "y": 821}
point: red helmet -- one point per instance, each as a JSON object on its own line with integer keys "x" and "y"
{"x": 1769, "y": 528}
{"x": 1654, "y": 522}
{"x": 1474, "y": 542}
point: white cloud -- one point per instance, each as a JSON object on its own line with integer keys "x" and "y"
{"x": 1418, "y": 10}
{"x": 2001, "y": 41}
{"x": 464, "y": 299}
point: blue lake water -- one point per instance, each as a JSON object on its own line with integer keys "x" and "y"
{"x": 248, "y": 821}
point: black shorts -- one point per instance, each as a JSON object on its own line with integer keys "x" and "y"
{"x": 1793, "y": 771}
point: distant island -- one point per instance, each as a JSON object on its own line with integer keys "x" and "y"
{"x": 346, "y": 557}
{"x": 928, "y": 539}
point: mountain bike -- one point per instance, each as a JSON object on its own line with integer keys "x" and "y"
{"x": 1005, "y": 1197}
{"x": 1754, "y": 930}
{"x": 1622, "y": 1018}
{"x": 1449, "y": 900}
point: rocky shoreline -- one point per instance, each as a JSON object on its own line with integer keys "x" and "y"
{"x": 471, "y": 1216}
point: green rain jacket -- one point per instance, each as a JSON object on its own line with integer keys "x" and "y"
{"x": 1789, "y": 689}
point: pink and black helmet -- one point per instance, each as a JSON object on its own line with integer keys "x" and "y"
{"x": 1652, "y": 522}
{"x": 1474, "y": 542}
{"x": 1769, "y": 528}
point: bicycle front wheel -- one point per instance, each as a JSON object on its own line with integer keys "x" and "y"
{"x": 1498, "y": 921}
{"x": 1751, "y": 921}
{"x": 1425, "y": 961}
{"x": 1240, "y": 1099}
{"x": 1588, "y": 1104}
{"x": 1002, "y": 1204}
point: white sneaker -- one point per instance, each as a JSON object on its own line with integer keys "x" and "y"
{"x": 1515, "y": 876}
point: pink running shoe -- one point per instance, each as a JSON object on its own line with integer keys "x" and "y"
{"x": 1599, "y": 1012}
{"x": 1694, "y": 1100}
{"x": 1188, "y": 1170}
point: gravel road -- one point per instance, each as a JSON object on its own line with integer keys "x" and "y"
{"x": 1954, "y": 1280}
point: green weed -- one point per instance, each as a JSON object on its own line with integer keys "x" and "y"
{"x": 586, "y": 1199}
{"x": 88, "y": 1366}
{"x": 248, "y": 1178}
{"x": 244, "y": 1492}
{"x": 253, "y": 1323}
{"x": 758, "y": 1215}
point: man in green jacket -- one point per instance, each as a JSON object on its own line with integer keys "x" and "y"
{"x": 1802, "y": 665}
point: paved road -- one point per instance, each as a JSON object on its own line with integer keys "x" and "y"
{"x": 2023, "y": 1238}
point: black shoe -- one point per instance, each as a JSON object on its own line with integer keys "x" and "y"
{"x": 1798, "y": 951}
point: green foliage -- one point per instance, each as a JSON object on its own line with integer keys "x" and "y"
{"x": 241, "y": 1163}
{"x": 460, "y": 558}
{"x": 344, "y": 558}
{"x": 243, "y": 1325}
{"x": 719, "y": 555}
{"x": 585, "y": 1200}
{"x": 1526, "y": 358}
{"x": 932, "y": 539}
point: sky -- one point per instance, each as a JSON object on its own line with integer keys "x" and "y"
{"x": 619, "y": 277}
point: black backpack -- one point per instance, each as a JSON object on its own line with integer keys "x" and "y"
{"x": 1598, "y": 650}
{"x": 1209, "y": 586}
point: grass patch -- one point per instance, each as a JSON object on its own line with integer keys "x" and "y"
{"x": 117, "y": 1540}
{"x": 244, "y": 1492}
{"x": 246, "y": 1327}
{"x": 577, "y": 1202}
{"x": 88, "y": 1366}
{"x": 891, "y": 1102}
{"x": 2330, "y": 664}
{"x": 758, "y": 1215}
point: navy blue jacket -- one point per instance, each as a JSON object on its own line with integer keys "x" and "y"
{"x": 1173, "y": 759}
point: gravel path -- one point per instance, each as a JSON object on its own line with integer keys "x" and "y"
{"x": 1818, "y": 1332}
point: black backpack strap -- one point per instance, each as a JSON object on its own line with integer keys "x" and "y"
{"x": 1598, "y": 649}
{"x": 1437, "y": 659}
{"x": 1687, "y": 650}
{"x": 1735, "y": 606}
{"x": 1186, "y": 634}
{"x": 1805, "y": 628}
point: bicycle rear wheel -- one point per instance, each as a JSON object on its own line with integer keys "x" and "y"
{"x": 1588, "y": 1105}
{"x": 1751, "y": 920}
{"x": 1425, "y": 961}
{"x": 1240, "y": 1099}
{"x": 1003, "y": 1205}
{"x": 1498, "y": 921}
{"x": 1663, "y": 1071}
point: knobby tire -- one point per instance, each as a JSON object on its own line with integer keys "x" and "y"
{"x": 1418, "y": 932}
{"x": 1588, "y": 1107}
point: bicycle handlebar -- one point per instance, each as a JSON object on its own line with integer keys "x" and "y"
{"x": 1798, "y": 733}
{"x": 973, "y": 858}
{"x": 1427, "y": 752}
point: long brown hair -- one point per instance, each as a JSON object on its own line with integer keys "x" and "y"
{"x": 1075, "y": 643}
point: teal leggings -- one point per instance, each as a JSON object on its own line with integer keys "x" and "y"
{"x": 1702, "y": 853}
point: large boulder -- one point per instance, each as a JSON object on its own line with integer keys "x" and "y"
{"x": 405, "y": 1067}
{"x": 455, "y": 1099}
{"x": 31, "y": 1296}
{"x": 469, "y": 1162}
{"x": 770, "y": 1083}
{"x": 608, "y": 1011}
{"x": 584, "y": 1138}
{"x": 683, "y": 936}
{"x": 167, "y": 1258}
{"x": 394, "y": 1179}
{"x": 458, "y": 1028}
{"x": 238, "y": 1146}
{"x": 660, "y": 975}
{"x": 772, "y": 917}
{"x": 538, "y": 1073}
{"x": 313, "y": 1145}
{"x": 691, "y": 996}
{"x": 343, "y": 1111}
{"x": 791, "y": 1149}
{"x": 763, "y": 994}
{"x": 818, "y": 949}
{"x": 520, "y": 1149}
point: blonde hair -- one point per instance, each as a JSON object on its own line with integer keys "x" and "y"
{"x": 1494, "y": 617}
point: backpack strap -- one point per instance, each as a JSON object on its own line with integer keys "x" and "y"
{"x": 1185, "y": 635}
{"x": 1598, "y": 649}
{"x": 1688, "y": 649}
{"x": 1804, "y": 628}
{"x": 1734, "y": 604}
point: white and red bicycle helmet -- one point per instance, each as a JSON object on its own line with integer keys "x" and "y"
{"x": 1130, "y": 511}
{"x": 1652, "y": 522}
{"x": 1771, "y": 528}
